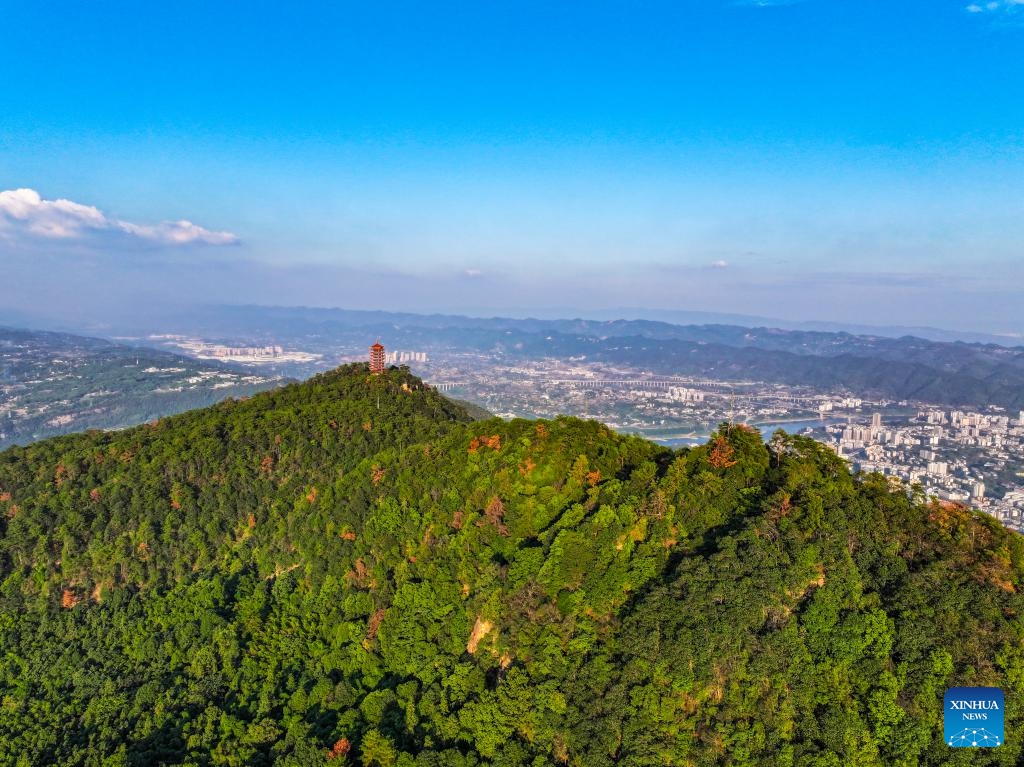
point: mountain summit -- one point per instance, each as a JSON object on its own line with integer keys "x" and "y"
{"x": 353, "y": 571}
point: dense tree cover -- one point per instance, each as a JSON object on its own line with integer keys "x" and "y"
{"x": 350, "y": 571}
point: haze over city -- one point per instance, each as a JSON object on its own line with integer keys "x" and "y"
{"x": 812, "y": 160}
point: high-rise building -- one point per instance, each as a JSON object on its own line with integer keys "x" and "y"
{"x": 397, "y": 357}
{"x": 377, "y": 356}
{"x": 876, "y": 421}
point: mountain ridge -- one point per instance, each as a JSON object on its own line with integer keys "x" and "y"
{"x": 350, "y": 570}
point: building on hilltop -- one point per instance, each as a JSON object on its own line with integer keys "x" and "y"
{"x": 377, "y": 357}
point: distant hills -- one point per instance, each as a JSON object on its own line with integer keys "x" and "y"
{"x": 627, "y": 321}
{"x": 240, "y": 319}
{"x": 683, "y": 317}
{"x": 952, "y": 374}
{"x": 351, "y": 570}
{"x": 955, "y": 374}
{"x": 56, "y": 383}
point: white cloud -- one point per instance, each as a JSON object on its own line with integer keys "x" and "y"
{"x": 996, "y": 5}
{"x": 24, "y": 210}
{"x": 178, "y": 233}
{"x": 719, "y": 264}
{"x": 474, "y": 273}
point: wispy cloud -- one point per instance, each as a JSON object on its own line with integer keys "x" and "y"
{"x": 996, "y": 6}
{"x": 767, "y": 3}
{"x": 24, "y": 211}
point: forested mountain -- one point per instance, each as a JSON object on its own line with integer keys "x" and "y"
{"x": 351, "y": 571}
{"x": 56, "y": 383}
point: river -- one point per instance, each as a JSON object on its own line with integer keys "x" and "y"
{"x": 767, "y": 428}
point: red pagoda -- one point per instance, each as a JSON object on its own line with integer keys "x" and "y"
{"x": 377, "y": 358}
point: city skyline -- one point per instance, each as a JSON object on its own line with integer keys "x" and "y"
{"x": 804, "y": 160}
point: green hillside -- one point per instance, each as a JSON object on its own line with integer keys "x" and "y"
{"x": 56, "y": 383}
{"x": 352, "y": 571}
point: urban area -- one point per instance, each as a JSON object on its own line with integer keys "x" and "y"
{"x": 974, "y": 458}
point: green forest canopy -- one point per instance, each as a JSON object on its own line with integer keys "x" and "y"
{"x": 352, "y": 571}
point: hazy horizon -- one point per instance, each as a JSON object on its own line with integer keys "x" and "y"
{"x": 806, "y": 161}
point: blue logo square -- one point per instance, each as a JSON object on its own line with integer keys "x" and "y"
{"x": 973, "y": 717}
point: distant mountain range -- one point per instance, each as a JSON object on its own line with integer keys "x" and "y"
{"x": 680, "y": 317}
{"x": 241, "y": 318}
{"x": 957, "y": 374}
{"x": 697, "y": 326}
{"x": 953, "y": 374}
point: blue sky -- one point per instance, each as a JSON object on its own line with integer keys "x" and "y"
{"x": 809, "y": 160}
